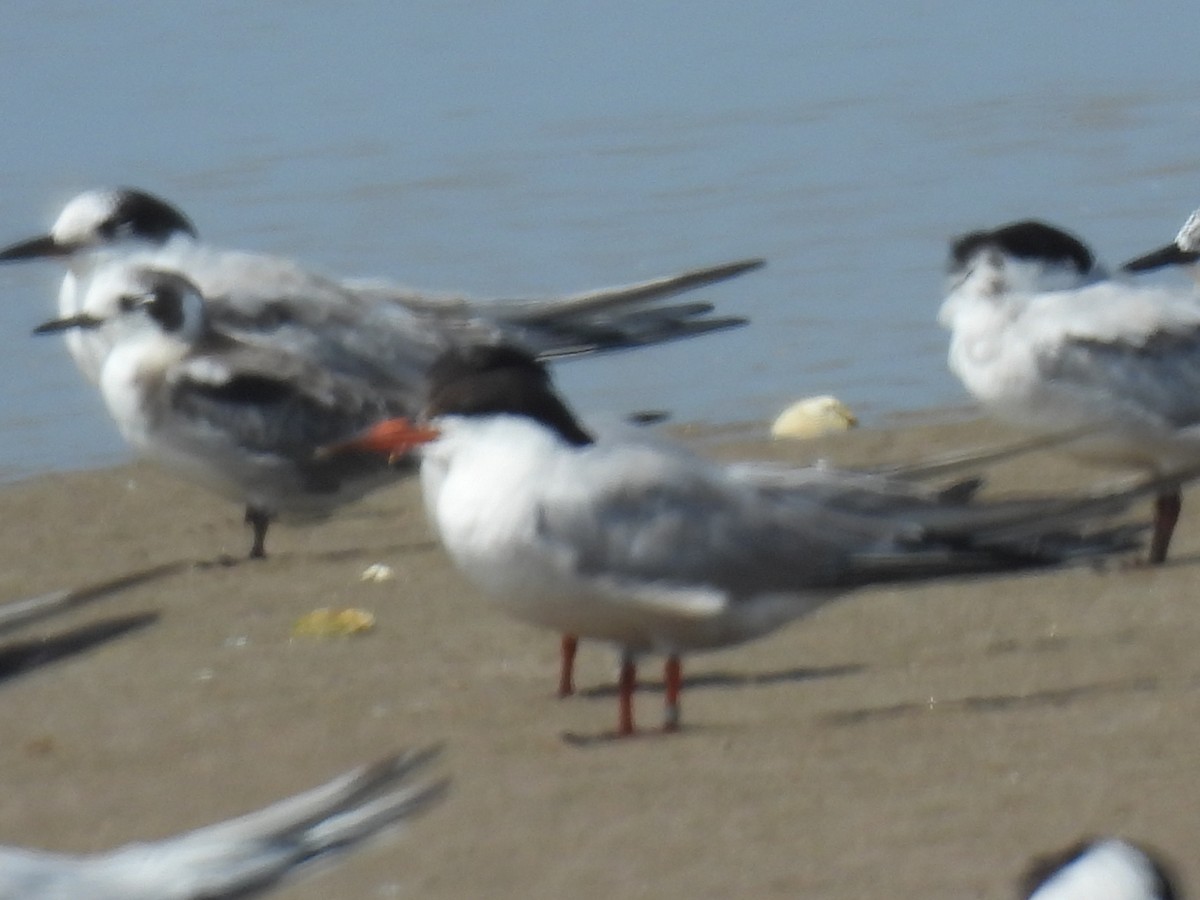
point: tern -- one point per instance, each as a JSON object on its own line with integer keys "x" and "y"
{"x": 1044, "y": 339}
{"x": 368, "y": 324}
{"x": 374, "y": 340}
{"x": 647, "y": 546}
{"x": 243, "y": 857}
{"x": 240, "y": 418}
{"x": 1101, "y": 869}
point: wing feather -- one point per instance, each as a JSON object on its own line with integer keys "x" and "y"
{"x": 1156, "y": 377}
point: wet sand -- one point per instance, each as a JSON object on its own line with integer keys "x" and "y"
{"x": 918, "y": 741}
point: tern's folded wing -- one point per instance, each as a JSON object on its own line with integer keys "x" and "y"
{"x": 273, "y": 402}
{"x": 1153, "y": 378}
{"x": 693, "y": 526}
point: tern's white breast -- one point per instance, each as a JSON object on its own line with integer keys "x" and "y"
{"x": 88, "y": 347}
{"x": 485, "y": 483}
{"x": 987, "y": 353}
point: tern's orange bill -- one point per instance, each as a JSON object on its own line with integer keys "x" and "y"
{"x": 392, "y": 438}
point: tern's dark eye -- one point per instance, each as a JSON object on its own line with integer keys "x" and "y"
{"x": 127, "y": 303}
{"x": 166, "y": 308}
{"x": 108, "y": 228}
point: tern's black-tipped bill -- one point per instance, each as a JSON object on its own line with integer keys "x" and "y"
{"x": 82, "y": 320}
{"x": 1170, "y": 255}
{"x": 34, "y": 248}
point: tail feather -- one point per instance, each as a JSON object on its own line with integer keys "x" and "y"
{"x": 543, "y": 311}
{"x": 640, "y": 329}
{"x": 1020, "y": 519}
{"x": 938, "y": 539}
{"x": 605, "y": 319}
{"x": 1019, "y": 533}
{"x": 369, "y": 821}
{"x": 1045, "y": 549}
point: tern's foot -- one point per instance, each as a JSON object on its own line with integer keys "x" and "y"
{"x": 1138, "y": 564}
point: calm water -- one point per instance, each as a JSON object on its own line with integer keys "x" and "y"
{"x": 531, "y": 147}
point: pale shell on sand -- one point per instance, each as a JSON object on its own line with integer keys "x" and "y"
{"x": 813, "y": 417}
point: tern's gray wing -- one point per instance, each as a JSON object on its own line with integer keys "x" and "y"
{"x": 274, "y": 410}
{"x": 271, "y": 302}
{"x": 372, "y": 324}
{"x": 689, "y": 527}
{"x": 382, "y": 343}
{"x": 391, "y": 334}
{"x": 601, "y": 320}
{"x": 871, "y": 489}
{"x": 693, "y": 530}
{"x": 1154, "y": 379}
{"x": 236, "y": 859}
{"x": 606, "y": 319}
{"x": 276, "y": 400}
{"x": 545, "y": 310}
{"x": 620, "y": 330}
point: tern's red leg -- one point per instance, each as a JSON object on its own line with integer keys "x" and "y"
{"x": 258, "y": 521}
{"x": 673, "y": 681}
{"x": 1166, "y": 514}
{"x": 626, "y": 685}
{"x": 566, "y": 676}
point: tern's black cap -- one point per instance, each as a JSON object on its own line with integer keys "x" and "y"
{"x": 496, "y": 379}
{"x": 1028, "y": 239}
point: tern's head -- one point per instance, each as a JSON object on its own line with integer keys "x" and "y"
{"x": 137, "y": 299}
{"x": 1027, "y": 256}
{"x": 1183, "y": 251}
{"x": 1106, "y": 869}
{"x": 471, "y": 383}
{"x": 485, "y": 380}
{"x": 105, "y": 219}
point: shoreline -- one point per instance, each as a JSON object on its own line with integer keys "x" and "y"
{"x": 752, "y": 432}
{"x": 926, "y": 738}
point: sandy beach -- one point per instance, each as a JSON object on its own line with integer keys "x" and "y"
{"x": 921, "y": 741}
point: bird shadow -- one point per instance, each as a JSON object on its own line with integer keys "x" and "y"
{"x": 346, "y": 553}
{"x": 736, "y": 679}
{"x": 227, "y": 561}
{"x": 641, "y": 735}
{"x": 26, "y": 611}
{"x": 22, "y": 657}
{"x": 16, "y": 614}
{"x": 990, "y": 703}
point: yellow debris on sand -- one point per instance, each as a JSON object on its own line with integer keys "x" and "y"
{"x": 330, "y": 623}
